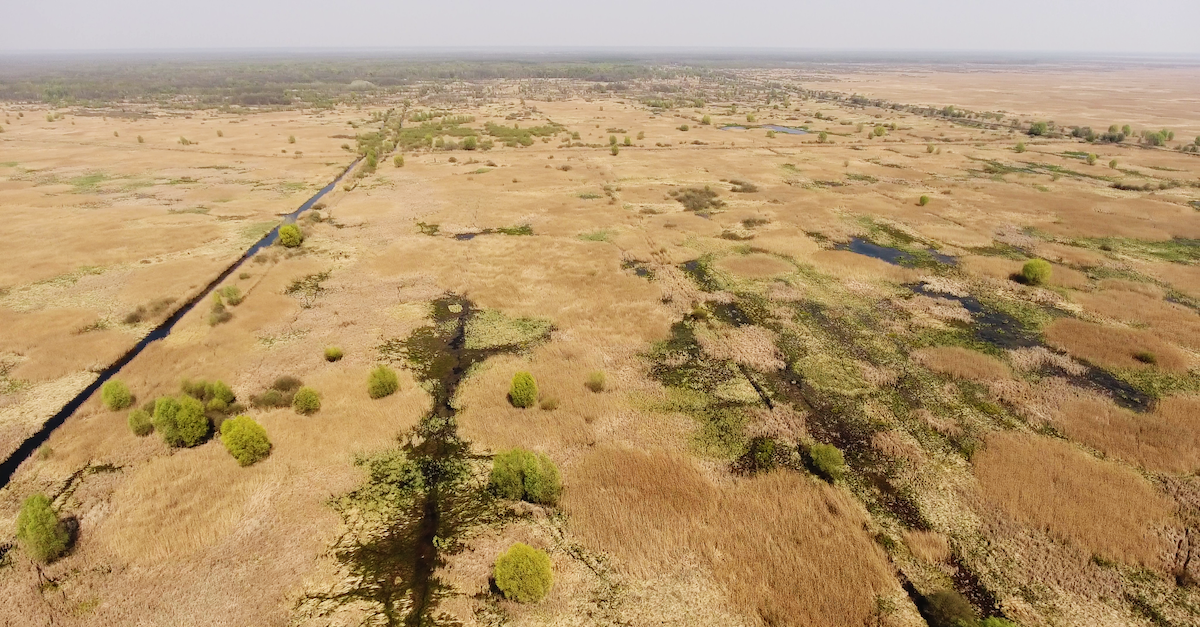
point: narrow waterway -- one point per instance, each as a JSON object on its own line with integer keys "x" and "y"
{"x": 31, "y": 444}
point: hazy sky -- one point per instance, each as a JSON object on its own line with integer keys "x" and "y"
{"x": 1114, "y": 26}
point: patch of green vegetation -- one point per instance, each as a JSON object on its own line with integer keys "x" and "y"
{"x": 480, "y": 171}
{"x": 194, "y": 210}
{"x": 590, "y": 196}
{"x": 865, "y": 178}
{"x": 1001, "y": 249}
{"x": 428, "y": 229}
{"x": 490, "y": 329}
{"x": 1177, "y": 250}
{"x": 699, "y": 200}
{"x": 88, "y": 183}
{"x": 520, "y": 229}
{"x": 1158, "y": 383}
{"x": 523, "y": 136}
{"x": 602, "y": 235}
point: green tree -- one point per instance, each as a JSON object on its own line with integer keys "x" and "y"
{"x": 382, "y": 382}
{"x": 115, "y": 395}
{"x": 1039, "y": 128}
{"x": 188, "y": 427}
{"x": 470, "y": 143}
{"x": 1036, "y": 271}
{"x": 306, "y": 401}
{"x": 39, "y": 530}
{"x": 523, "y": 392}
{"x": 245, "y": 439}
{"x": 522, "y": 475}
{"x": 828, "y": 461}
{"x": 523, "y": 574}
{"x": 290, "y": 236}
{"x": 1127, "y": 130}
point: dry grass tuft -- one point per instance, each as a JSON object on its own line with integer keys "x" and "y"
{"x": 1098, "y": 506}
{"x": 962, "y": 363}
{"x": 788, "y": 550}
{"x": 1113, "y": 347}
{"x": 930, "y": 546}
{"x": 751, "y": 346}
{"x": 1167, "y": 440}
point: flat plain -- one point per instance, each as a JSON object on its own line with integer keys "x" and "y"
{"x": 711, "y": 276}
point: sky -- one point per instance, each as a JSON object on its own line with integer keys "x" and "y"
{"x": 1158, "y": 27}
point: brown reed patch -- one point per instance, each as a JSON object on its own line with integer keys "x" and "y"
{"x": 1113, "y": 347}
{"x": 1145, "y": 289}
{"x": 1166, "y": 440}
{"x": 848, "y": 265}
{"x": 1168, "y": 320}
{"x": 787, "y": 549}
{"x": 1098, "y": 506}
{"x": 929, "y": 546}
{"x": 962, "y": 363}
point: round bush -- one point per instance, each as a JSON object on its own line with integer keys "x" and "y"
{"x": 245, "y": 439}
{"x": 522, "y": 475}
{"x": 140, "y": 422}
{"x": 306, "y": 401}
{"x": 827, "y": 459}
{"x": 290, "y": 236}
{"x": 333, "y": 353}
{"x": 1036, "y": 271}
{"x": 596, "y": 381}
{"x": 40, "y": 531}
{"x": 115, "y": 395}
{"x": 948, "y": 608}
{"x": 523, "y": 573}
{"x": 923, "y": 200}
{"x": 382, "y": 382}
{"x": 523, "y": 392}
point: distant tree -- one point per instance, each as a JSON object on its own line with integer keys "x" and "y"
{"x": 373, "y": 161}
{"x": 1114, "y": 129}
{"x": 140, "y": 422}
{"x": 39, "y": 530}
{"x": 523, "y": 574}
{"x": 306, "y": 401}
{"x": 1039, "y": 128}
{"x": 1091, "y": 159}
{"x": 115, "y": 395}
{"x": 182, "y": 423}
{"x": 523, "y": 392}
{"x": 290, "y": 236}
{"x": 523, "y": 475}
{"x": 245, "y": 439}
{"x": 470, "y": 143}
{"x": 1036, "y": 271}
{"x": 1126, "y": 130}
{"x": 382, "y": 382}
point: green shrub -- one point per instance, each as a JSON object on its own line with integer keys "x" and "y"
{"x": 923, "y": 200}
{"x": 333, "y": 353}
{"x": 1039, "y": 128}
{"x": 470, "y": 143}
{"x": 306, "y": 401}
{"x": 523, "y": 392}
{"x": 523, "y": 574}
{"x": 1020, "y": 147}
{"x": 115, "y": 395}
{"x": 1146, "y": 357}
{"x": 39, "y": 530}
{"x": 595, "y": 381}
{"x": 823, "y": 137}
{"x": 398, "y": 161}
{"x": 245, "y": 439}
{"x": 827, "y": 460}
{"x": 642, "y": 135}
{"x": 760, "y": 455}
{"x": 706, "y": 120}
{"x": 291, "y": 139}
{"x": 1036, "y": 271}
{"x": 181, "y": 423}
{"x": 615, "y": 150}
{"x": 628, "y": 142}
{"x": 1091, "y": 159}
{"x": 612, "y": 140}
{"x": 948, "y": 608}
{"x": 382, "y": 382}
{"x": 549, "y": 403}
{"x": 141, "y": 140}
{"x": 140, "y": 422}
{"x": 290, "y": 236}
{"x": 522, "y": 475}
{"x": 683, "y": 127}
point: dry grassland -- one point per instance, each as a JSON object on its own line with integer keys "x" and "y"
{"x": 1098, "y": 506}
{"x": 658, "y": 529}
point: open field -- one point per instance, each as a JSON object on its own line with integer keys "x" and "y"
{"x": 705, "y": 310}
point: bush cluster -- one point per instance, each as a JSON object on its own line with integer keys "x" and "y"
{"x": 281, "y": 393}
{"x": 141, "y": 423}
{"x": 382, "y": 382}
{"x": 181, "y": 423}
{"x": 333, "y": 353}
{"x": 524, "y": 392}
{"x": 522, "y": 475}
{"x": 116, "y": 395}
{"x": 39, "y": 530}
{"x": 523, "y": 574}
{"x": 245, "y": 439}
